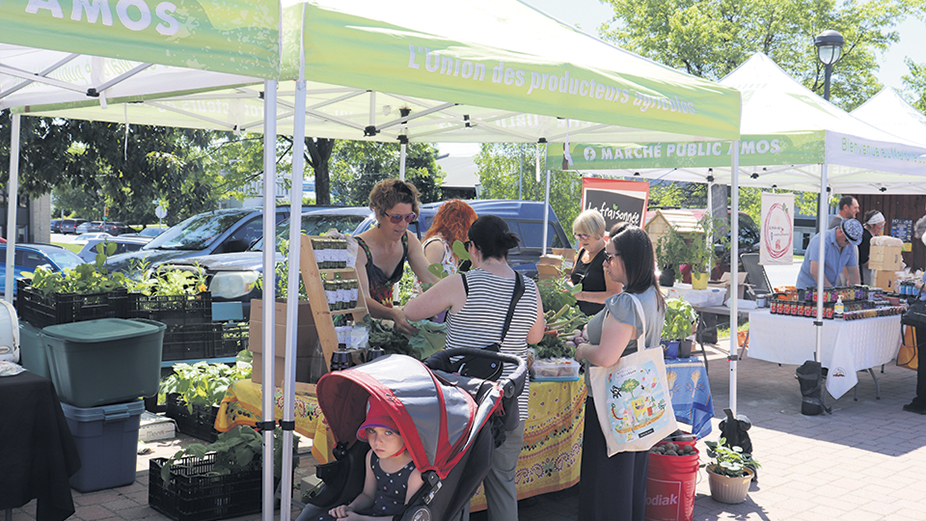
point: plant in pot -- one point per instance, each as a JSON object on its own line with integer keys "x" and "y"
{"x": 194, "y": 393}
{"x": 671, "y": 252}
{"x": 729, "y": 471}
{"x": 679, "y": 325}
{"x": 701, "y": 252}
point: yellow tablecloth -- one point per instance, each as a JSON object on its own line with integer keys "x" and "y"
{"x": 242, "y": 405}
{"x": 549, "y": 460}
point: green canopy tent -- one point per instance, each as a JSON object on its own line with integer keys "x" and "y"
{"x": 792, "y": 139}
{"x": 415, "y": 70}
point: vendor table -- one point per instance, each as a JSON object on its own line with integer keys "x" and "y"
{"x": 549, "y": 460}
{"x": 690, "y": 392}
{"x": 37, "y": 452}
{"x": 848, "y": 346}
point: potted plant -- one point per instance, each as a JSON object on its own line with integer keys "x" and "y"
{"x": 671, "y": 252}
{"x": 215, "y": 481}
{"x": 729, "y": 472}
{"x": 701, "y": 254}
{"x": 679, "y": 326}
{"x": 194, "y": 392}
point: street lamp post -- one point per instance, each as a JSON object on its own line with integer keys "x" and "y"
{"x": 829, "y": 50}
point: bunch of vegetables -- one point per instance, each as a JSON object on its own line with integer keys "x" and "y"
{"x": 430, "y": 338}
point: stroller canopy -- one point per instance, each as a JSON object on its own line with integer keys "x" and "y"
{"x": 437, "y": 419}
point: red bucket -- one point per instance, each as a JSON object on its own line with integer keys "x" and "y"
{"x": 670, "y": 486}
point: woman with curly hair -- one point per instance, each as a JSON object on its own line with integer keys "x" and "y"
{"x": 451, "y": 224}
{"x": 385, "y": 248}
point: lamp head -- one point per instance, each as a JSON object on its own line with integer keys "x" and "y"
{"x": 829, "y": 46}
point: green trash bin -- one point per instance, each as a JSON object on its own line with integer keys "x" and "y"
{"x": 105, "y": 361}
{"x": 32, "y": 350}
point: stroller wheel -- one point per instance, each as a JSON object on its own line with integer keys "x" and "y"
{"x": 417, "y": 513}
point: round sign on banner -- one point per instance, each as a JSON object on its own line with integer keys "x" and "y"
{"x": 778, "y": 231}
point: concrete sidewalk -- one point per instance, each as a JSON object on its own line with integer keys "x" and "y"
{"x": 865, "y": 461}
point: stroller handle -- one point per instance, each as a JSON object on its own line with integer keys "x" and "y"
{"x": 441, "y": 359}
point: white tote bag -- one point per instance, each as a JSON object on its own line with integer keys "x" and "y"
{"x": 632, "y": 398}
{"x": 9, "y": 333}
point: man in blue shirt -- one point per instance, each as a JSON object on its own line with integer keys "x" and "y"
{"x": 839, "y": 254}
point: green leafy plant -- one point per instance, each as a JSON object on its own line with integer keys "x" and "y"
{"x": 556, "y": 293}
{"x": 729, "y": 461}
{"x": 680, "y": 319}
{"x": 235, "y": 450}
{"x": 701, "y": 249}
{"x": 205, "y": 384}
{"x": 84, "y": 279}
{"x": 672, "y": 251}
{"x": 281, "y": 271}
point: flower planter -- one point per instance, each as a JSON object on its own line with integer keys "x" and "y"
{"x": 200, "y": 423}
{"x": 729, "y": 490}
{"x": 699, "y": 280}
{"x": 64, "y": 308}
{"x": 190, "y": 495}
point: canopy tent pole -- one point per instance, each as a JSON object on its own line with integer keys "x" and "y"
{"x": 269, "y": 283}
{"x": 402, "y": 158}
{"x": 821, "y": 270}
{"x": 546, "y": 213}
{"x": 734, "y": 272}
{"x": 11, "y": 206}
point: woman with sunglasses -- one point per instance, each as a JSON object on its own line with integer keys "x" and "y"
{"x": 614, "y": 488}
{"x": 588, "y": 229}
{"x": 477, "y": 302}
{"x": 386, "y": 247}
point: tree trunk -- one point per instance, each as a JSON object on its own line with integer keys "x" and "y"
{"x": 318, "y": 152}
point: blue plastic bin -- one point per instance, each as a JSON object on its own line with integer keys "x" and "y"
{"x": 107, "y": 442}
{"x": 110, "y": 360}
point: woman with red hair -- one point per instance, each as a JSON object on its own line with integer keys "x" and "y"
{"x": 451, "y": 224}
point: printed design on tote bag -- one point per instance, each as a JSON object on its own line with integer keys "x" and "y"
{"x": 637, "y": 400}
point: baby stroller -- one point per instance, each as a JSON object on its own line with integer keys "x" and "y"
{"x": 441, "y": 416}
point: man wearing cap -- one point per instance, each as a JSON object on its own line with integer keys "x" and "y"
{"x": 839, "y": 254}
{"x": 874, "y": 226}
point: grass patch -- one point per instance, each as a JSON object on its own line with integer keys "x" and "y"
{"x": 70, "y": 246}
{"x": 724, "y": 332}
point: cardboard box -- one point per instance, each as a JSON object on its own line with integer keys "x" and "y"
{"x": 886, "y": 280}
{"x": 156, "y": 427}
{"x": 306, "y": 334}
{"x": 885, "y": 258}
{"x": 568, "y": 255}
{"x": 303, "y": 369}
{"x": 725, "y": 284}
{"x": 547, "y": 271}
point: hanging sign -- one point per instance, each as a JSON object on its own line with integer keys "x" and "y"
{"x": 777, "y": 237}
{"x": 617, "y": 200}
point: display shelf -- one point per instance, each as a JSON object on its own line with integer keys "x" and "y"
{"x": 323, "y": 316}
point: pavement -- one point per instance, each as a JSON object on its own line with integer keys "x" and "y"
{"x": 865, "y": 461}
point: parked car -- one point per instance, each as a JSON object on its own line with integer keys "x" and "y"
{"x": 524, "y": 218}
{"x": 231, "y": 276}
{"x": 219, "y": 231}
{"x": 123, "y": 244}
{"x": 70, "y": 225}
{"x": 55, "y": 226}
{"x": 93, "y": 236}
{"x": 115, "y": 228}
{"x": 89, "y": 227}
{"x": 28, "y": 257}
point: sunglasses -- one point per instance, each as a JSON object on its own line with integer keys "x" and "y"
{"x": 581, "y": 236}
{"x": 467, "y": 244}
{"x": 609, "y": 256}
{"x": 397, "y": 218}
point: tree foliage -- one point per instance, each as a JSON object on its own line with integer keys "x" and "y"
{"x": 504, "y": 167}
{"x": 356, "y": 166}
{"x": 711, "y": 38}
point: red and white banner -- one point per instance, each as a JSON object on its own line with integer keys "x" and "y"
{"x": 777, "y": 231}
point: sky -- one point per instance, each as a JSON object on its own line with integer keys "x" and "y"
{"x": 589, "y": 14}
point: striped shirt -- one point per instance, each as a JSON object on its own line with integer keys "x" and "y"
{"x": 482, "y": 318}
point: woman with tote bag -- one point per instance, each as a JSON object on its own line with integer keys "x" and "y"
{"x": 614, "y": 488}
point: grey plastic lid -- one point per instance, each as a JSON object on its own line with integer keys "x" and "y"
{"x": 119, "y": 411}
{"x": 103, "y": 330}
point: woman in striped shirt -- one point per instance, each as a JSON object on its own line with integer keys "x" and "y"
{"x": 476, "y": 315}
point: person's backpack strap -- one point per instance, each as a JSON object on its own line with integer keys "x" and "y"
{"x": 515, "y": 297}
{"x": 465, "y": 285}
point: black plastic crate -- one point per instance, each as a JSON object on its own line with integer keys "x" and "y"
{"x": 64, "y": 308}
{"x": 194, "y": 341}
{"x": 173, "y": 310}
{"x": 232, "y": 338}
{"x": 190, "y": 496}
{"x": 199, "y": 424}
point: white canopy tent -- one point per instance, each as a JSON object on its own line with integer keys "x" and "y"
{"x": 467, "y": 71}
{"x": 792, "y": 139}
{"x": 890, "y": 111}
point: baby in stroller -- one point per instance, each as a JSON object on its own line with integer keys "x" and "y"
{"x": 391, "y": 477}
{"x": 442, "y": 421}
